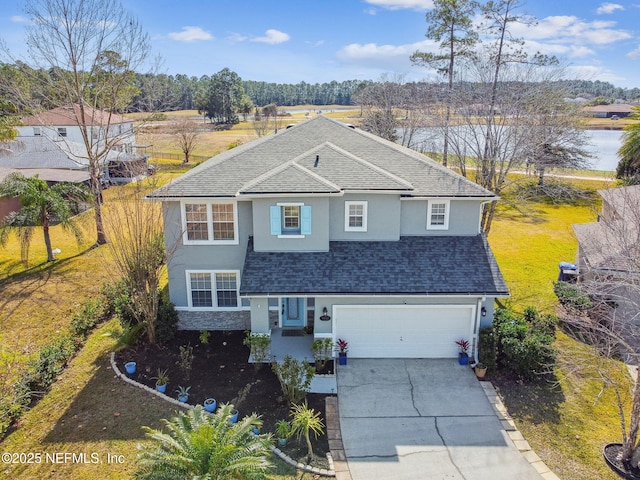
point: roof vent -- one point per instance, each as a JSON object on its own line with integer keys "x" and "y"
{"x": 315, "y": 164}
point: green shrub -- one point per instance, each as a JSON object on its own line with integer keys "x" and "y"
{"x": 295, "y": 378}
{"x": 524, "y": 344}
{"x": 50, "y": 361}
{"x": 166, "y": 324}
{"x": 571, "y": 297}
{"x": 89, "y": 315}
{"x": 487, "y": 348}
{"x": 259, "y": 344}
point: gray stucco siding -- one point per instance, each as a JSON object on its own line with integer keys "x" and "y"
{"x": 201, "y": 257}
{"x": 317, "y": 241}
{"x": 463, "y": 218}
{"x": 383, "y": 217}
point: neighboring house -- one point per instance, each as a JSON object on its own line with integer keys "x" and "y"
{"x": 331, "y": 228}
{"x": 53, "y": 139}
{"x": 50, "y": 175}
{"x": 609, "y": 250}
{"x": 609, "y": 111}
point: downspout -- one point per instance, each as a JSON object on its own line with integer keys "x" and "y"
{"x": 476, "y": 328}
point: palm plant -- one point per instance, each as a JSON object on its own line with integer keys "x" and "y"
{"x": 306, "y": 420}
{"x": 41, "y": 206}
{"x": 629, "y": 153}
{"x": 202, "y": 445}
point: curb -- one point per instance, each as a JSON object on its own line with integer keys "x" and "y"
{"x": 276, "y": 451}
{"x": 514, "y": 434}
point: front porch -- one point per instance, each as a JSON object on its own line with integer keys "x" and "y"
{"x": 299, "y": 347}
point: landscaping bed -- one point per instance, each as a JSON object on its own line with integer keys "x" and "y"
{"x": 220, "y": 370}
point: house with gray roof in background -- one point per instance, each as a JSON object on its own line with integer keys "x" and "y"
{"x": 325, "y": 228}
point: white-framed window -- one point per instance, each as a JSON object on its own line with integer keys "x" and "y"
{"x": 207, "y": 223}
{"x": 355, "y": 216}
{"x": 62, "y": 131}
{"x": 438, "y": 215}
{"x": 213, "y": 289}
{"x": 291, "y": 220}
{"x": 36, "y": 131}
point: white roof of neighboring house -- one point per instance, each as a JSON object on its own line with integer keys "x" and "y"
{"x": 43, "y": 152}
{"x": 68, "y": 116}
{"x": 48, "y": 174}
{"x": 614, "y": 245}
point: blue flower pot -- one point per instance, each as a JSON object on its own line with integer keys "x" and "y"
{"x": 463, "y": 359}
{"x": 234, "y": 416}
{"x": 130, "y": 367}
{"x": 161, "y": 388}
{"x": 342, "y": 359}
{"x": 210, "y": 407}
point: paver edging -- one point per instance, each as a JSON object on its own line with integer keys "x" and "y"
{"x": 276, "y": 451}
{"x": 512, "y": 431}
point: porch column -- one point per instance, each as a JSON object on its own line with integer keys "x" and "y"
{"x": 260, "y": 315}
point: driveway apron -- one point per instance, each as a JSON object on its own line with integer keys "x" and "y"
{"x": 405, "y": 419}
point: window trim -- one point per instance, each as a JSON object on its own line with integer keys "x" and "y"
{"x": 447, "y": 209}
{"x": 209, "y": 205}
{"x": 347, "y": 215}
{"x": 304, "y": 222}
{"x": 214, "y": 291}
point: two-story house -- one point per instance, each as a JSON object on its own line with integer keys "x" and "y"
{"x": 325, "y": 226}
{"x": 54, "y": 139}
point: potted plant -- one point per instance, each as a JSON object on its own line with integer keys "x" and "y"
{"x": 130, "y": 367}
{"x": 283, "y": 432}
{"x": 234, "y": 415}
{"x": 183, "y": 393}
{"x": 342, "y": 346}
{"x": 210, "y": 405}
{"x": 463, "y": 356}
{"x": 161, "y": 381}
{"x": 480, "y": 369}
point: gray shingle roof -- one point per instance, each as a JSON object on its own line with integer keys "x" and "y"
{"x": 349, "y": 158}
{"x": 428, "y": 265}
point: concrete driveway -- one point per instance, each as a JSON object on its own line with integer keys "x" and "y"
{"x": 422, "y": 419}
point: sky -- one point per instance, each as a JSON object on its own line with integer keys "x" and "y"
{"x": 317, "y": 41}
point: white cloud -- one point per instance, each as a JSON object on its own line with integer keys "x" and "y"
{"x": 402, "y": 4}
{"x": 272, "y": 37}
{"x": 190, "y": 34}
{"x": 18, "y": 19}
{"x": 373, "y": 51}
{"x": 634, "y": 54}
{"x": 571, "y": 30}
{"x": 606, "y": 8}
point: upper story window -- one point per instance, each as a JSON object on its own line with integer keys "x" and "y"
{"x": 438, "y": 215}
{"x": 62, "y": 131}
{"x": 212, "y": 289}
{"x": 355, "y": 216}
{"x": 209, "y": 223}
{"x": 291, "y": 220}
{"x": 36, "y": 131}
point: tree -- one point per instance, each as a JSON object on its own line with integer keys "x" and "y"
{"x": 222, "y": 98}
{"x": 138, "y": 250}
{"x": 42, "y": 206}
{"x": 8, "y": 120}
{"x": 90, "y": 49}
{"x": 186, "y": 132}
{"x": 380, "y": 102}
{"x": 202, "y": 445}
{"x": 450, "y": 23}
{"x": 306, "y": 420}
{"x": 629, "y": 165}
{"x": 603, "y": 311}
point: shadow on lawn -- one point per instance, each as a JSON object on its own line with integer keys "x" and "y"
{"x": 537, "y": 402}
{"x": 108, "y": 409}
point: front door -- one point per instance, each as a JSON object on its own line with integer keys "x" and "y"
{"x": 293, "y": 312}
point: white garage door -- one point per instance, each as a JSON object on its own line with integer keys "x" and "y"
{"x": 403, "y": 331}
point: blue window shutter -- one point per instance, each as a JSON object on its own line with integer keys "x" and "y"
{"x": 305, "y": 220}
{"x": 276, "y": 220}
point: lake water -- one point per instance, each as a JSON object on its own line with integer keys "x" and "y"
{"x": 604, "y": 148}
{"x": 603, "y": 145}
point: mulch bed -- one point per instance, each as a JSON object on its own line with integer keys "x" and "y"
{"x": 220, "y": 370}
